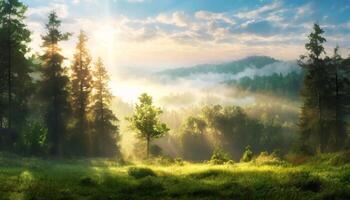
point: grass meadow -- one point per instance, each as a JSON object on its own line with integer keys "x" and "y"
{"x": 324, "y": 177}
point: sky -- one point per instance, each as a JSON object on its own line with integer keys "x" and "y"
{"x": 156, "y": 34}
{"x": 135, "y": 37}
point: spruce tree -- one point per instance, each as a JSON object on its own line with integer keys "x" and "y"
{"x": 15, "y": 68}
{"x": 313, "y": 91}
{"x": 106, "y": 132}
{"x": 54, "y": 86}
{"x": 80, "y": 95}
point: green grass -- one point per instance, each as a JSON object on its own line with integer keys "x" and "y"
{"x": 32, "y": 178}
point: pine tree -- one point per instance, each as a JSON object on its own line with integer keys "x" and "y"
{"x": 313, "y": 92}
{"x": 106, "y": 132}
{"x": 81, "y": 94}
{"x": 15, "y": 81}
{"x": 54, "y": 92}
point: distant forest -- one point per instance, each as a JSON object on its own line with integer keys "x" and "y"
{"x": 288, "y": 86}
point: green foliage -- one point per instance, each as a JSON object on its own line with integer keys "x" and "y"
{"x": 34, "y": 139}
{"x": 332, "y": 159}
{"x": 325, "y": 95}
{"x": 179, "y": 161}
{"x": 219, "y": 157}
{"x": 138, "y": 172}
{"x": 146, "y": 120}
{"x": 163, "y": 160}
{"x": 247, "y": 154}
{"x": 264, "y": 158}
{"x": 230, "y": 162}
{"x": 231, "y": 128}
{"x": 304, "y": 181}
{"x": 194, "y": 143}
{"x": 104, "y": 122}
{"x": 80, "y": 95}
{"x": 16, "y": 86}
{"x": 102, "y": 179}
{"x": 54, "y": 87}
{"x": 341, "y": 158}
{"x": 288, "y": 85}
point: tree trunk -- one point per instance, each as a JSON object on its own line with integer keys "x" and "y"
{"x": 148, "y": 143}
{"x": 320, "y": 132}
{"x": 338, "y": 124}
{"x": 9, "y": 75}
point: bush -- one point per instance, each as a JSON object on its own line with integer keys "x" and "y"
{"x": 341, "y": 158}
{"x": 34, "y": 139}
{"x": 230, "y": 162}
{"x": 138, "y": 172}
{"x": 179, "y": 161}
{"x": 268, "y": 159}
{"x": 219, "y": 157}
{"x": 247, "y": 154}
{"x": 163, "y": 160}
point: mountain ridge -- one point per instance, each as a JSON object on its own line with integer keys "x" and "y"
{"x": 231, "y": 67}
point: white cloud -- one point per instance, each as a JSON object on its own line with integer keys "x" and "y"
{"x": 304, "y": 10}
{"x": 253, "y": 14}
{"x": 181, "y": 38}
{"x": 42, "y": 12}
{"x": 177, "y": 18}
{"x": 210, "y": 16}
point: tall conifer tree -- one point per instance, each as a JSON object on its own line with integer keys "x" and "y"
{"x": 81, "y": 95}
{"x": 54, "y": 90}
{"x": 313, "y": 92}
{"x": 15, "y": 81}
{"x": 106, "y": 132}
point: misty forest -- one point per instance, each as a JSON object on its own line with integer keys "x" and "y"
{"x": 73, "y": 125}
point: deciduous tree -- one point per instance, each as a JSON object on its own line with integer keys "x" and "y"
{"x": 146, "y": 120}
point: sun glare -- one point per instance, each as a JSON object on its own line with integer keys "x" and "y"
{"x": 106, "y": 34}
{"x": 106, "y": 40}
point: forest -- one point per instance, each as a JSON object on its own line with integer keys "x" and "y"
{"x": 280, "y": 132}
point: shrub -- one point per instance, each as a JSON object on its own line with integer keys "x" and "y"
{"x": 179, "y": 161}
{"x": 161, "y": 160}
{"x": 247, "y": 154}
{"x": 341, "y": 158}
{"x": 34, "y": 139}
{"x": 138, "y": 172}
{"x": 268, "y": 159}
{"x": 219, "y": 157}
{"x": 230, "y": 162}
